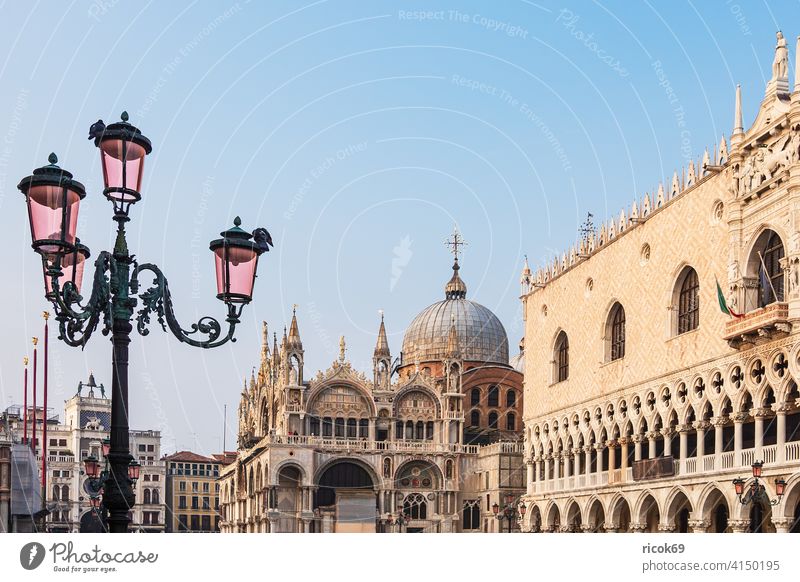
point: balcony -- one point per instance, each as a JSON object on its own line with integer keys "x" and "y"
{"x": 758, "y": 326}
{"x": 354, "y": 444}
{"x": 669, "y": 468}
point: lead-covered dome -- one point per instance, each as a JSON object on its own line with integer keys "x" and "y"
{"x": 481, "y": 336}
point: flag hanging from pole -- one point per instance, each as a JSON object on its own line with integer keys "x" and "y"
{"x": 723, "y": 304}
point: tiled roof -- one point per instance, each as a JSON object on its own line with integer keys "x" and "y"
{"x": 225, "y": 458}
{"x": 189, "y": 456}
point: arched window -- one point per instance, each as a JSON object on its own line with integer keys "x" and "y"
{"x": 511, "y": 421}
{"x": 146, "y": 499}
{"x": 475, "y": 397}
{"x": 56, "y": 490}
{"x": 494, "y": 396}
{"x": 561, "y": 357}
{"x": 689, "y": 302}
{"x": 155, "y": 497}
{"x": 64, "y": 493}
{"x": 493, "y": 419}
{"x": 415, "y": 506}
{"x": 475, "y": 418}
{"x": 448, "y": 469}
{"x": 615, "y": 332}
{"x": 351, "y": 428}
{"x": 420, "y": 433}
{"x": 511, "y": 398}
{"x": 770, "y": 279}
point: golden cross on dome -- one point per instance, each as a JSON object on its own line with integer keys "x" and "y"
{"x": 456, "y": 242}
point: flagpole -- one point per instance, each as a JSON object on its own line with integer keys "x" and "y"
{"x": 33, "y": 422}
{"x": 25, "y": 404}
{"x": 46, "y": 316}
{"x": 769, "y": 279}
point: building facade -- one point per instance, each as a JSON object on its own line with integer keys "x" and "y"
{"x": 193, "y": 492}
{"x": 645, "y": 402}
{"x": 405, "y": 449}
{"x": 87, "y": 419}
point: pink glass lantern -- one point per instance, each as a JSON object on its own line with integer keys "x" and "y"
{"x": 236, "y": 259}
{"x": 92, "y": 467}
{"x": 133, "y": 471}
{"x": 53, "y": 199}
{"x": 122, "y": 152}
{"x": 72, "y": 266}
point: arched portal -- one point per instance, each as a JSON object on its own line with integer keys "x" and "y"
{"x": 596, "y": 517}
{"x": 346, "y": 498}
{"x": 620, "y": 513}
{"x": 649, "y": 514}
{"x": 289, "y": 498}
{"x": 574, "y": 517}
{"x": 678, "y": 512}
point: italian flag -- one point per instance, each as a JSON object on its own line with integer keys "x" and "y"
{"x": 723, "y": 305}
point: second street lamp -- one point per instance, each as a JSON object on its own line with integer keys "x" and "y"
{"x": 53, "y": 199}
{"x": 509, "y": 512}
{"x": 757, "y": 492}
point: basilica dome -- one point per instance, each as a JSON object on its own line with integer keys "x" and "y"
{"x": 481, "y": 336}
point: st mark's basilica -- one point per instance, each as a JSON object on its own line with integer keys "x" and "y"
{"x": 428, "y": 442}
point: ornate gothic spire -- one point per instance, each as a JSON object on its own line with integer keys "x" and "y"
{"x": 264, "y": 343}
{"x": 382, "y": 346}
{"x": 738, "y": 126}
{"x": 294, "y": 332}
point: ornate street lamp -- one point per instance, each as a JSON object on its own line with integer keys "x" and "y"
{"x": 53, "y": 199}
{"x": 133, "y": 471}
{"x": 509, "y": 512}
{"x": 91, "y": 467}
{"x": 757, "y": 492}
{"x": 106, "y": 447}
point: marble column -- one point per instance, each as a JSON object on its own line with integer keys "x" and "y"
{"x": 612, "y": 455}
{"x": 738, "y": 421}
{"x": 780, "y": 419}
{"x": 719, "y": 423}
{"x": 531, "y": 476}
{"x": 587, "y": 451}
{"x": 651, "y": 442}
{"x": 758, "y": 415}
{"x": 637, "y": 447}
{"x": 683, "y": 438}
{"x": 700, "y": 426}
{"x": 667, "y": 433}
{"x": 624, "y": 444}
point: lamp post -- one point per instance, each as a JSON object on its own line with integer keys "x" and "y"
{"x": 757, "y": 493}
{"x": 53, "y": 200}
{"x": 509, "y": 512}
{"x": 401, "y": 519}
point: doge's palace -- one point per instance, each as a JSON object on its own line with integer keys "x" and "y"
{"x": 678, "y": 369}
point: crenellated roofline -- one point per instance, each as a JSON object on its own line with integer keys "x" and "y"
{"x": 772, "y": 116}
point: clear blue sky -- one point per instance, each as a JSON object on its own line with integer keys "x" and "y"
{"x": 358, "y": 134}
